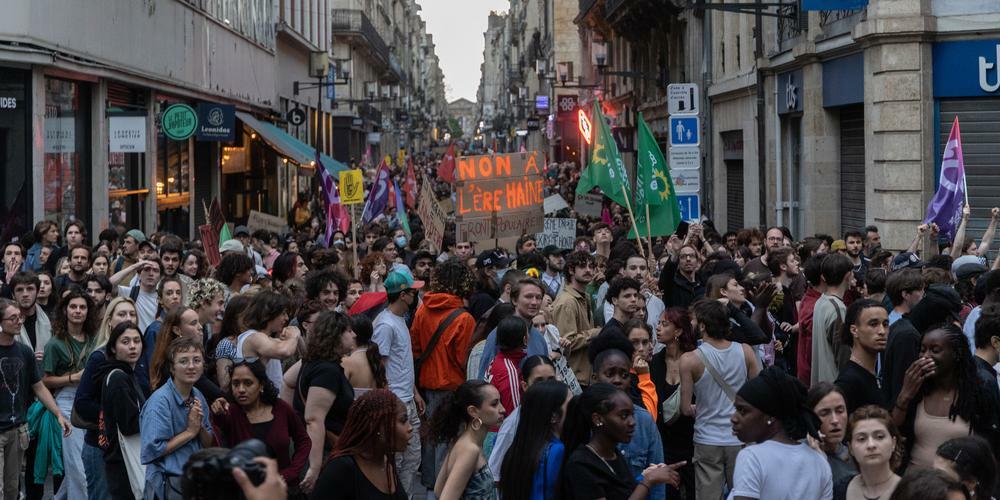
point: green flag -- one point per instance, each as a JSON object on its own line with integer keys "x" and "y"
{"x": 654, "y": 189}
{"x": 605, "y": 168}
{"x": 224, "y": 235}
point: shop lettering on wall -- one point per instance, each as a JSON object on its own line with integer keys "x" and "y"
{"x": 8, "y": 102}
{"x": 127, "y": 134}
{"x": 985, "y": 68}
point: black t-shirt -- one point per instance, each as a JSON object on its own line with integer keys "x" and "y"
{"x": 18, "y": 372}
{"x": 901, "y": 350}
{"x": 30, "y": 323}
{"x": 587, "y": 476}
{"x": 329, "y": 376}
{"x": 678, "y": 437}
{"x": 859, "y": 386}
{"x": 612, "y": 325}
{"x": 342, "y": 479}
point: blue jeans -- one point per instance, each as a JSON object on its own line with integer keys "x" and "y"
{"x": 93, "y": 464}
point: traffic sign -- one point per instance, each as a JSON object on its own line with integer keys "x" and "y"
{"x": 690, "y": 206}
{"x": 682, "y": 98}
{"x": 684, "y": 130}
{"x": 296, "y": 117}
{"x": 685, "y": 158}
{"x": 686, "y": 181}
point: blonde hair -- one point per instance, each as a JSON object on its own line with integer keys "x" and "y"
{"x": 204, "y": 290}
{"x": 104, "y": 331}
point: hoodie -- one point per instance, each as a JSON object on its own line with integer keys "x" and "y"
{"x": 121, "y": 401}
{"x": 444, "y": 367}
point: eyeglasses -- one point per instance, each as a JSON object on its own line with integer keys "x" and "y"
{"x": 16, "y": 318}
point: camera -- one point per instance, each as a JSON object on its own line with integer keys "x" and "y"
{"x": 208, "y": 474}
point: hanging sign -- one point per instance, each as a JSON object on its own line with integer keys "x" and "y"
{"x": 127, "y": 134}
{"x": 179, "y": 122}
{"x": 216, "y": 122}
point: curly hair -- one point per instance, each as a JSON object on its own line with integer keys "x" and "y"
{"x": 453, "y": 277}
{"x": 875, "y": 412}
{"x": 233, "y": 264}
{"x": 204, "y": 290}
{"x": 324, "y": 343}
{"x": 967, "y": 400}
{"x": 285, "y": 266}
{"x": 679, "y": 317}
{"x": 368, "y": 264}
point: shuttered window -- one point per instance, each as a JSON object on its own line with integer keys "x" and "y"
{"x": 734, "y": 195}
{"x": 852, "y": 168}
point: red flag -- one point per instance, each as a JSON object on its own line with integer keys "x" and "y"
{"x": 411, "y": 185}
{"x": 392, "y": 195}
{"x": 446, "y": 169}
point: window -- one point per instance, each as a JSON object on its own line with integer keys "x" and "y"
{"x": 173, "y": 175}
{"x": 67, "y": 152}
{"x": 15, "y": 153}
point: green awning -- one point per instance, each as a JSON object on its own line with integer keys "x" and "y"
{"x": 287, "y": 145}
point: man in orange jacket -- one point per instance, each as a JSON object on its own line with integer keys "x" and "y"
{"x": 440, "y": 363}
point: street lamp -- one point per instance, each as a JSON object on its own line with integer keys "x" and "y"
{"x": 599, "y": 53}
{"x": 565, "y": 71}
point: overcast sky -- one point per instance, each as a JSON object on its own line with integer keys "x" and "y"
{"x": 458, "y": 26}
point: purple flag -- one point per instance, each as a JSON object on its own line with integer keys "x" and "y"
{"x": 945, "y": 207}
{"x": 378, "y": 197}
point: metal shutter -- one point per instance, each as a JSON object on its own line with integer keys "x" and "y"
{"x": 852, "y": 168}
{"x": 734, "y": 195}
{"x": 980, "y": 123}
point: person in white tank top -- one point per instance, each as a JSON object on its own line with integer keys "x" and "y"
{"x": 267, "y": 337}
{"x": 710, "y": 377}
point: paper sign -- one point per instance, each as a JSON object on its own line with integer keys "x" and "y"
{"x": 501, "y": 226}
{"x": 432, "y": 215}
{"x": 558, "y": 231}
{"x": 260, "y": 220}
{"x": 352, "y": 187}
{"x": 588, "y": 205}
{"x": 555, "y": 203}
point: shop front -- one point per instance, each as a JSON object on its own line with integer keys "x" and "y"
{"x": 67, "y": 167}
{"x": 844, "y": 97}
{"x": 15, "y": 153}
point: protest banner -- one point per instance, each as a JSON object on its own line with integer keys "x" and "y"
{"x": 210, "y": 242}
{"x": 499, "y": 195}
{"x": 352, "y": 187}
{"x": 558, "y": 231}
{"x": 273, "y": 223}
{"x": 555, "y": 203}
{"x": 588, "y": 205}
{"x": 432, "y": 216}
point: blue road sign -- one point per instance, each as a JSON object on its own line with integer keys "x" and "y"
{"x": 684, "y": 130}
{"x": 690, "y": 206}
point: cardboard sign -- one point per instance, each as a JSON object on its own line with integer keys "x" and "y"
{"x": 498, "y": 195}
{"x": 588, "y": 205}
{"x": 352, "y": 187}
{"x": 210, "y": 241}
{"x": 555, "y": 203}
{"x": 560, "y": 232}
{"x": 432, "y": 215}
{"x": 260, "y": 220}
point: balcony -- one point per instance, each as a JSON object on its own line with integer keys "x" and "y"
{"x": 354, "y": 23}
{"x": 395, "y": 73}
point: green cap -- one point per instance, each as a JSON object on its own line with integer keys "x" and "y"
{"x": 398, "y": 281}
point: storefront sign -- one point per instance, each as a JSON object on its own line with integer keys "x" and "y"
{"x": 432, "y": 215}
{"x": 560, "y": 232}
{"x": 60, "y": 135}
{"x": 566, "y": 106}
{"x": 542, "y": 104}
{"x": 499, "y": 195}
{"x": 828, "y": 5}
{"x": 179, "y": 122}
{"x": 790, "y": 92}
{"x": 844, "y": 81}
{"x": 295, "y": 117}
{"x": 8, "y": 102}
{"x": 260, "y": 220}
{"x": 127, "y": 134}
{"x": 374, "y": 137}
{"x": 216, "y": 122}
{"x": 352, "y": 187}
{"x": 967, "y": 68}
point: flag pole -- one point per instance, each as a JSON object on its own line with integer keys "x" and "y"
{"x": 631, "y": 216}
{"x": 649, "y": 231}
{"x": 354, "y": 243}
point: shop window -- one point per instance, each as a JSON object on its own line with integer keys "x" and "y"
{"x": 173, "y": 175}
{"x": 67, "y": 151}
{"x": 128, "y": 188}
{"x": 15, "y": 151}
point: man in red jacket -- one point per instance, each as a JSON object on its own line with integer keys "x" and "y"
{"x": 815, "y": 290}
{"x": 440, "y": 363}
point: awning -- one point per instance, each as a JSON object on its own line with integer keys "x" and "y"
{"x": 287, "y": 145}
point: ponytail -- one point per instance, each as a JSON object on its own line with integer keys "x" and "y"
{"x": 450, "y": 418}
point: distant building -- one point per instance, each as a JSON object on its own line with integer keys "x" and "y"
{"x": 464, "y": 112}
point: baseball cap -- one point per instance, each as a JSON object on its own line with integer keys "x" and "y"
{"x": 137, "y": 235}
{"x": 397, "y": 282}
{"x": 963, "y": 260}
{"x": 241, "y": 230}
{"x": 907, "y": 260}
{"x": 231, "y": 246}
{"x": 966, "y": 271}
{"x": 491, "y": 258}
{"x": 553, "y": 250}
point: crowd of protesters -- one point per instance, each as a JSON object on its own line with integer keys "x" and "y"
{"x": 754, "y": 364}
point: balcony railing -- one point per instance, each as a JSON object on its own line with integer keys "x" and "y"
{"x": 355, "y": 22}
{"x": 831, "y": 16}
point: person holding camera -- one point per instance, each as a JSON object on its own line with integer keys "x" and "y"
{"x": 122, "y": 398}
{"x": 174, "y": 421}
{"x": 258, "y": 413}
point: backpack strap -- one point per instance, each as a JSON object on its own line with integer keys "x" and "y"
{"x": 134, "y": 293}
{"x": 417, "y": 363}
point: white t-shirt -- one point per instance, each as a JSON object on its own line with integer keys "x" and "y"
{"x": 146, "y": 305}
{"x": 392, "y": 337}
{"x": 777, "y": 471}
{"x": 505, "y": 437}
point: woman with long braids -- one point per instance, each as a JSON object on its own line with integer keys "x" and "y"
{"x": 597, "y": 421}
{"x": 462, "y": 421}
{"x": 942, "y": 398}
{"x": 772, "y": 415}
{"x": 363, "y": 464}
{"x": 536, "y": 451}
{"x": 73, "y": 332}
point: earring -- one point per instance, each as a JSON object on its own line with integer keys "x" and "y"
{"x": 600, "y": 424}
{"x": 769, "y": 421}
{"x": 477, "y": 423}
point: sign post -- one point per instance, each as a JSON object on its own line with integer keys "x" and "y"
{"x": 685, "y": 150}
